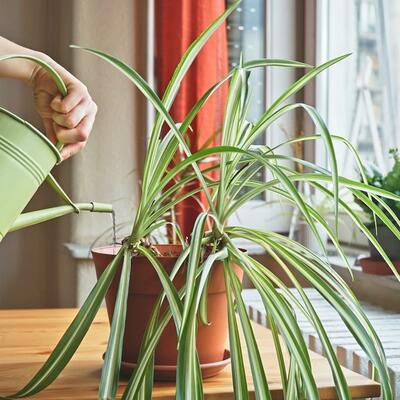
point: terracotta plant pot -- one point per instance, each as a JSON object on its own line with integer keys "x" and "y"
{"x": 144, "y": 289}
{"x": 387, "y": 240}
{"x": 377, "y": 266}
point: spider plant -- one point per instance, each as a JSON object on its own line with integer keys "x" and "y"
{"x": 213, "y": 238}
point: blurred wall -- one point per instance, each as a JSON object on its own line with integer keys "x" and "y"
{"x": 35, "y": 270}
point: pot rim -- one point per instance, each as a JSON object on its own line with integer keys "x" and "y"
{"x": 105, "y": 250}
{"x": 115, "y": 248}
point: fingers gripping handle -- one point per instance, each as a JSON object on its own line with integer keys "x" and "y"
{"x": 94, "y": 207}
{"x": 52, "y": 72}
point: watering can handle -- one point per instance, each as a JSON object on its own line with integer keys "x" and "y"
{"x": 53, "y": 73}
{"x": 62, "y": 88}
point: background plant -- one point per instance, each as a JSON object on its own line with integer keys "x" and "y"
{"x": 214, "y": 239}
{"x": 389, "y": 182}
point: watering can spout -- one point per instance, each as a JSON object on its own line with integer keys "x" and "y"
{"x": 36, "y": 217}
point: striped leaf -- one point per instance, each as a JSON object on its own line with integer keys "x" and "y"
{"x": 110, "y": 372}
{"x": 74, "y": 335}
{"x": 237, "y": 366}
{"x": 259, "y": 380}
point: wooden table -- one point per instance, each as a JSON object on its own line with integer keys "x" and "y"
{"x": 28, "y": 336}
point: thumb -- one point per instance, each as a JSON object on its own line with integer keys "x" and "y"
{"x": 56, "y": 103}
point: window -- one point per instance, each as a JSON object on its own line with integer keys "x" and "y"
{"x": 246, "y": 37}
{"x": 259, "y": 29}
{"x": 359, "y": 95}
{"x": 362, "y": 103}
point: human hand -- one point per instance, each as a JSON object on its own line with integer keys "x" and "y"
{"x": 68, "y": 120}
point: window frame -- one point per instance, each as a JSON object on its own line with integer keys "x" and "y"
{"x": 349, "y": 234}
{"x": 281, "y": 21}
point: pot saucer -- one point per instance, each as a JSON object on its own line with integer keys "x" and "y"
{"x": 377, "y": 266}
{"x": 168, "y": 372}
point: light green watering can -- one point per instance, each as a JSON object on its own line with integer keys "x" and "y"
{"x": 26, "y": 159}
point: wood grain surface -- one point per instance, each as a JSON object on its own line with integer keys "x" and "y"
{"x": 28, "y": 336}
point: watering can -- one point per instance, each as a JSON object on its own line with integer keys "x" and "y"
{"x": 26, "y": 159}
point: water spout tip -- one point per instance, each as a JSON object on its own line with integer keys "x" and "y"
{"x": 101, "y": 207}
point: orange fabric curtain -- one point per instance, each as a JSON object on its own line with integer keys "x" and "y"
{"x": 178, "y": 23}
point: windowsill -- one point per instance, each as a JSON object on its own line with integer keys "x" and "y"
{"x": 389, "y": 281}
{"x": 78, "y": 251}
{"x": 379, "y": 290}
{"x": 382, "y": 290}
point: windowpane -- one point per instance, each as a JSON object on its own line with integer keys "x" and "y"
{"x": 259, "y": 29}
{"x": 363, "y": 93}
{"x": 246, "y": 38}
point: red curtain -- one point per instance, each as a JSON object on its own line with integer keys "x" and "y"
{"x": 178, "y": 23}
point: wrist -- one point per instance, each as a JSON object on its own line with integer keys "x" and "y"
{"x": 20, "y": 68}
{"x": 32, "y": 68}
{"x": 17, "y": 68}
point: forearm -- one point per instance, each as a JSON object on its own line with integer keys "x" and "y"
{"x": 19, "y": 68}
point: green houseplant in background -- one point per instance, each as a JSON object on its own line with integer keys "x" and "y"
{"x": 214, "y": 239}
{"x": 391, "y": 208}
